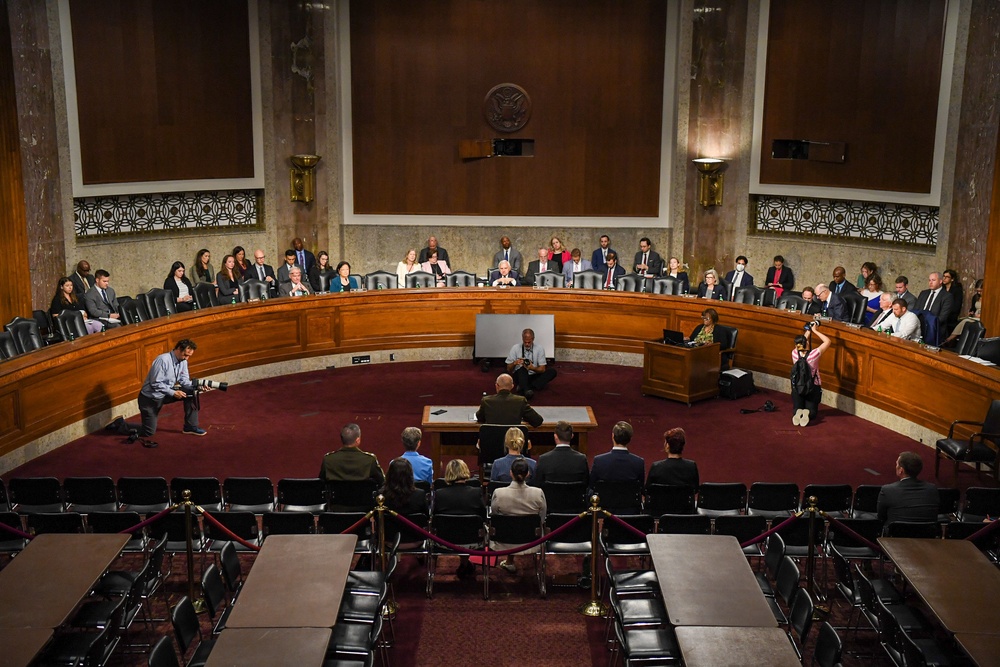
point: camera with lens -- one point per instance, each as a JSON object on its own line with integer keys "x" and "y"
{"x": 209, "y": 384}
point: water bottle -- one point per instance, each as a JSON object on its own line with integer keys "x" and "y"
{"x": 263, "y": 295}
{"x": 194, "y": 302}
{"x": 379, "y": 286}
{"x": 72, "y": 336}
{"x": 234, "y": 300}
{"x": 880, "y": 329}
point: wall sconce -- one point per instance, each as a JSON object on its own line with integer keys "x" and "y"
{"x": 711, "y": 180}
{"x": 302, "y": 184}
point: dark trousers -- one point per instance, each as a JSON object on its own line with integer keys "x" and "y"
{"x": 525, "y": 380}
{"x": 149, "y": 410}
{"x": 809, "y": 402}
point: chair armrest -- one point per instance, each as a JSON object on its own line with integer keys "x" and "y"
{"x": 951, "y": 429}
{"x": 984, "y": 436}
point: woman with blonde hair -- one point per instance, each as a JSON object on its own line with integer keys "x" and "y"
{"x": 710, "y": 288}
{"x": 407, "y": 266}
{"x": 515, "y": 444}
{"x": 459, "y": 498}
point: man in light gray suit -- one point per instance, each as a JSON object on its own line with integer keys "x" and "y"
{"x": 575, "y": 265}
{"x": 101, "y": 302}
{"x": 506, "y": 253}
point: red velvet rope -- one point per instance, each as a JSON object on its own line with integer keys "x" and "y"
{"x": 155, "y": 517}
{"x": 766, "y": 534}
{"x": 358, "y": 524}
{"x": 476, "y": 552}
{"x": 16, "y": 531}
{"x": 635, "y": 531}
{"x": 982, "y": 531}
{"x": 215, "y": 522}
{"x": 847, "y": 530}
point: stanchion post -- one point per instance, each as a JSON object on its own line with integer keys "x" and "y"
{"x": 811, "y": 549}
{"x": 197, "y": 601}
{"x": 380, "y": 520}
{"x": 594, "y": 607}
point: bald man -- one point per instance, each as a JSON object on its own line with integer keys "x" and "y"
{"x": 505, "y": 407}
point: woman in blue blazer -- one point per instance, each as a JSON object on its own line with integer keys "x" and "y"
{"x": 343, "y": 281}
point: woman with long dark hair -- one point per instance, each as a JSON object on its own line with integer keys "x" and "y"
{"x": 401, "y": 495}
{"x": 202, "y": 268}
{"x": 242, "y": 265}
{"x": 65, "y": 299}
{"x": 228, "y": 280}
{"x": 179, "y": 285}
{"x": 343, "y": 282}
{"x": 319, "y": 269}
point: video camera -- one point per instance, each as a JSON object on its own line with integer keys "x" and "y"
{"x": 209, "y": 384}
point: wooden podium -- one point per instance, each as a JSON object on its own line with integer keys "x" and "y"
{"x": 685, "y": 374}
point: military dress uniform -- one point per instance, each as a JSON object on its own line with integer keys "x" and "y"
{"x": 350, "y": 464}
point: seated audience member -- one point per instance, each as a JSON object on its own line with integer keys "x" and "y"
{"x": 840, "y": 284}
{"x": 673, "y": 270}
{"x": 516, "y": 500}
{"x": 563, "y": 464}
{"x": 904, "y": 324}
{"x": 873, "y": 294}
{"x": 457, "y": 497}
{"x": 937, "y": 301}
{"x": 180, "y": 287}
{"x": 81, "y": 278}
{"x": 506, "y": 407}
{"x": 779, "y": 277}
{"x": 575, "y": 265}
{"x": 504, "y": 276}
{"x": 407, "y": 266}
{"x": 612, "y": 272}
{"x": 65, "y": 299}
{"x": 432, "y": 244}
{"x": 303, "y": 257}
{"x": 833, "y": 305}
{"x": 321, "y": 270}
{"x": 599, "y": 258}
{"x": 558, "y": 254}
{"x": 101, "y": 302}
{"x": 539, "y": 265}
{"x": 526, "y": 363}
{"x": 423, "y": 467}
{"x": 618, "y": 465}
{"x": 706, "y": 332}
{"x": 436, "y": 266}
{"x": 884, "y": 317}
{"x": 202, "y": 267}
{"x": 675, "y": 469}
{"x": 975, "y": 313}
{"x": 868, "y": 269}
{"x": 350, "y": 463}
{"x": 287, "y": 266}
{"x": 515, "y": 444}
{"x": 647, "y": 261}
{"x": 809, "y": 296}
{"x": 228, "y": 281}
{"x": 950, "y": 281}
{"x": 903, "y": 291}
{"x": 263, "y": 272}
{"x": 242, "y": 265}
{"x": 296, "y": 285}
{"x": 909, "y": 499}
{"x": 344, "y": 281}
{"x": 738, "y": 278}
{"x": 507, "y": 254}
{"x": 710, "y": 287}
{"x": 401, "y": 495}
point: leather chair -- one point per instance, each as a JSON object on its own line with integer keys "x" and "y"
{"x": 989, "y": 349}
{"x": 205, "y": 295}
{"x": 550, "y": 279}
{"x": 728, "y": 345}
{"x": 766, "y": 297}
{"x": 792, "y": 302}
{"x": 162, "y": 302}
{"x": 381, "y": 280}
{"x": 25, "y": 333}
{"x": 420, "y": 279}
{"x": 46, "y": 327}
{"x": 133, "y": 311}
{"x": 968, "y": 341}
{"x": 669, "y": 499}
{"x": 7, "y": 348}
{"x": 977, "y": 447}
{"x": 667, "y": 285}
{"x": 254, "y": 290}
{"x": 856, "y": 305}
{"x": 71, "y": 324}
{"x": 721, "y": 499}
{"x": 587, "y": 280}
{"x": 631, "y": 282}
{"x": 301, "y": 494}
{"x": 774, "y": 500}
{"x": 460, "y": 279}
{"x": 747, "y": 295}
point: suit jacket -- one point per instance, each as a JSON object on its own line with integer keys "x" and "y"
{"x": 836, "y": 307}
{"x": 518, "y": 499}
{"x": 909, "y": 298}
{"x": 685, "y": 281}
{"x": 909, "y": 499}
{"x": 310, "y": 260}
{"x": 442, "y": 264}
{"x": 585, "y": 265}
{"x": 597, "y": 258}
{"x": 618, "y": 465}
{"x": 942, "y": 306}
{"x": 717, "y": 292}
{"x": 268, "y": 271}
{"x": 562, "y": 464}
{"x": 494, "y": 275}
{"x": 80, "y": 285}
{"x": 283, "y": 273}
{"x": 171, "y": 286}
{"x": 731, "y": 276}
{"x": 681, "y": 472}
{"x": 506, "y": 408}
{"x": 846, "y": 289}
{"x": 285, "y": 289}
{"x": 533, "y": 270}
{"x": 787, "y": 280}
{"x": 654, "y": 261}
{"x": 883, "y": 318}
{"x": 95, "y": 305}
{"x": 426, "y": 252}
{"x": 500, "y": 470}
{"x": 814, "y": 307}
{"x": 514, "y": 257}
{"x": 619, "y": 272}
{"x": 459, "y": 498}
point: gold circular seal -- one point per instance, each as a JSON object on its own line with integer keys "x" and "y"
{"x": 507, "y": 107}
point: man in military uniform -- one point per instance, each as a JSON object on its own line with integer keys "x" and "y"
{"x": 505, "y": 407}
{"x": 350, "y": 463}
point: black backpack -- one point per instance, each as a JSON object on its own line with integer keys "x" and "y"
{"x": 802, "y": 378}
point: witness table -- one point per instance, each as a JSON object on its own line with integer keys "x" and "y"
{"x": 983, "y": 649}
{"x": 956, "y": 581}
{"x": 42, "y": 586}
{"x": 22, "y": 645}
{"x": 681, "y": 373}
{"x": 462, "y": 419}
{"x": 296, "y": 581}
{"x": 706, "y": 580}
{"x": 735, "y": 647}
{"x": 265, "y": 647}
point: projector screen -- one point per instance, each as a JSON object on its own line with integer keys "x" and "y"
{"x": 496, "y": 334}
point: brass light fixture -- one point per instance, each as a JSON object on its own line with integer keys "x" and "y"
{"x": 302, "y": 184}
{"x": 711, "y": 180}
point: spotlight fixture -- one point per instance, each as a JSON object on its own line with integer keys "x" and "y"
{"x": 711, "y": 181}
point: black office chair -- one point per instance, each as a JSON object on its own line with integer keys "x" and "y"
{"x": 381, "y": 280}
{"x": 979, "y": 448}
{"x": 161, "y": 302}
{"x": 746, "y": 295}
{"x": 254, "y": 290}
{"x": 90, "y": 494}
{"x": 989, "y": 349}
{"x": 71, "y": 325}
{"x": 668, "y": 285}
{"x": 550, "y": 279}
{"x": 460, "y": 279}
{"x": 206, "y": 295}
{"x": 420, "y": 279}
{"x": 856, "y": 305}
{"x": 968, "y": 341}
{"x": 301, "y": 494}
{"x": 792, "y": 302}
{"x": 728, "y": 337}
{"x": 587, "y": 280}
{"x": 7, "y": 348}
{"x": 980, "y": 502}
{"x": 133, "y": 311}
{"x": 25, "y": 333}
{"x": 766, "y": 297}
{"x": 630, "y": 282}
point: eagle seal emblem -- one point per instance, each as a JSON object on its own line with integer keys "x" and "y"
{"x": 507, "y": 107}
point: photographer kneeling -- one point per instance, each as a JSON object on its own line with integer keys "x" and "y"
{"x": 806, "y": 390}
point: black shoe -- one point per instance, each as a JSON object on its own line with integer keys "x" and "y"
{"x": 149, "y": 444}
{"x": 117, "y": 425}
{"x": 529, "y": 394}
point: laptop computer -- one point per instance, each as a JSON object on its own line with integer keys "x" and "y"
{"x": 671, "y": 337}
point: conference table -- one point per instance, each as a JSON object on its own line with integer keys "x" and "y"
{"x": 735, "y": 647}
{"x": 984, "y": 650}
{"x": 20, "y": 646}
{"x": 297, "y": 581}
{"x": 441, "y": 419}
{"x": 266, "y": 647}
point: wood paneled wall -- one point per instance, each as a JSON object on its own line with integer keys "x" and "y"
{"x": 163, "y": 89}
{"x": 864, "y": 72}
{"x": 15, "y": 284}
{"x": 594, "y": 71}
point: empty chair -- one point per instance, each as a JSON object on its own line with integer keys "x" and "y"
{"x": 786, "y": 588}
{"x": 160, "y": 302}
{"x": 772, "y": 499}
{"x": 83, "y": 648}
{"x": 628, "y": 583}
{"x": 420, "y": 279}
{"x": 215, "y": 598}
{"x": 980, "y": 448}
{"x": 232, "y": 571}
{"x": 10, "y": 543}
{"x": 744, "y": 528}
{"x": 248, "y": 494}
{"x": 550, "y": 279}
{"x": 828, "y": 649}
{"x": 948, "y": 503}
{"x": 46, "y": 327}
{"x": 747, "y": 295}
{"x": 980, "y": 502}
{"x": 574, "y": 541}
{"x": 186, "y": 628}
{"x": 717, "y": 499}
{"x": 865, "y": 505}
{"x": 90, "y": 494}
{"x": 133, "y": 311}
{"x": 337, "y": 523}
{"x": 205, "y": 295}
{"x": 918, "y": 529}
{"x": 669, "y": 499}
{"x": 7, "y": 348}
{"x": 838, "y": 538}
{"x": 620, "y": 497}
{"x": 587, "y": 280}
{"x": 143, "y": 494}
{"x": 619, "y": 541}
{"x": 685, "y": 524}
{"x": 351, "y": 496}
{"x": 792, "y": 302}
{"x": 241, "y": 524}
{"x": 40, "y": 523}
{"x": 99, "y": 614}
{"x": 117, "y": 522}
{"x": 855, "y": 306}
{"x": 968, "y": 341}
{"x": 29, "y": 495}
{"x": 834, "y": 499}
{"x": 254, "y": 290}
{"x": 460, "y": 279}
{"x": 514, "y": 529}
{"x": 467, "y": 531}
{"x": 773, "y": 557}
{"x": 797, "y": 538}
{"x": 205, "y": 491}
{"x": 565, "y": 496}
{"x": 163, "y": 653}
{"x": 287, "y": 523}
{"x": 71, "y": 324}
{"x": 800, "y": 619}
{"x": 666, "y": 285}
{"x": 4, "y": 503}
{"x": 630, "y": 282}
{"x": 381, "y": 280}
{"x": 25, "y": 334}
{"x": 301, "y": 494}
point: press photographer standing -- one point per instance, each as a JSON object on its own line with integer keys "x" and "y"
{"x": 806, "y": 390}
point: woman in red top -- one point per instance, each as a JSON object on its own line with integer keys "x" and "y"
{"x": 558, "y": 253}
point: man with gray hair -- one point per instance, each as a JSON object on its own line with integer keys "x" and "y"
{"x": 527, "y": 365}
{"x": 350, "y": 463}
{"x": 423, "y": 467}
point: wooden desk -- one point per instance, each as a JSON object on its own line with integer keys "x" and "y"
{"x": 706, "y": 580}
{"x": 735, "y": 647}
{"x": 296, "y": 581}
{"x": 684, "y": 374}
{"x": 462, "y": 419}
{"x": 984, "y": 650}
{"x": 42, "y": 586}
{"x": 22, "y": 645}
{"x": 265, "y": 647}
{"x": 956, "y": 581}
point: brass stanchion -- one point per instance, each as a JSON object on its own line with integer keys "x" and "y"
{"x": 199, "y": 603}
{"x": 391, "y": 606}
{"x": 595, "y": 607}
{"x": 811, "y": 559}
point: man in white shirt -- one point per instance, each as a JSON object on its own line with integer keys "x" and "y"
{"x": 884, "y": 317}
{"x": 575, "y": 266}
{"x": 906, "y": 325}
{"x": 526, "y": 363}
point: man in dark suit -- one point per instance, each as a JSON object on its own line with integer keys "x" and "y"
{"x": 903, "y": 292}
{"x": 506, "y": 407}
{"x": 611, "y": 271}
{"x": 540, "y": 265}
{"x": 738, "y": 278}
{"x": 647, "y": 261}
{"x": 833, "y": 305}
{"x": 504, "y": 276}
{"x": 101, "y": 302}
{"x": 600, "y": 256}
{"x": 81, "y": 278}
{"x": 884, "y": 317}
{"x": 563, "y": 464}
{"x": 812, "y": 307}
{"x": 303, "y": 257}
{"x": 936, "y": 300}
{"x": 618, "y": 465}
{"x": 507, "y": 253}
{"x": 909, "y": 499}
{"x": 263, "y": 272}
{"x": 840, "y": 283}
{"x": 432, "y": 244}
{"x": 283, "y": 270}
